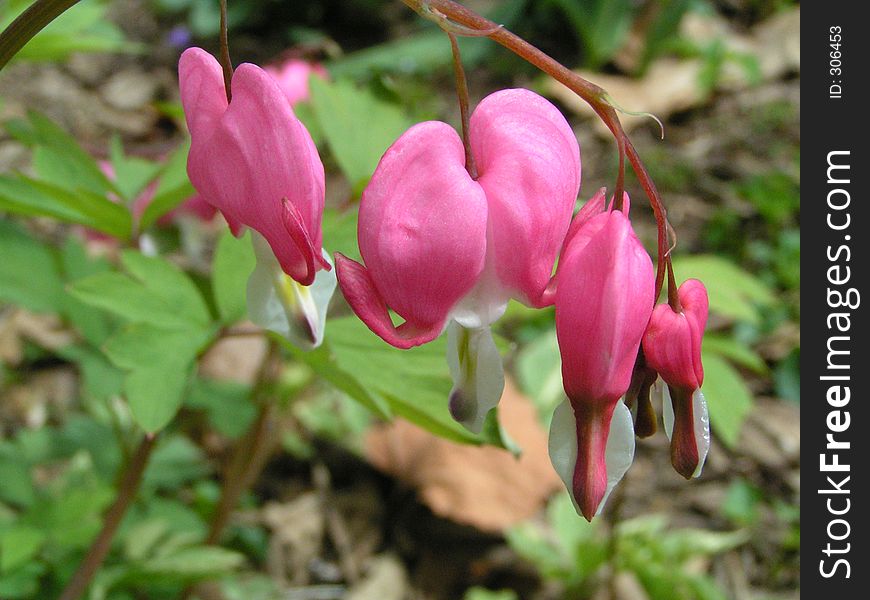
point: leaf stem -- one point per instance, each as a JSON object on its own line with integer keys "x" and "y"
{"x": 127, "y": 489}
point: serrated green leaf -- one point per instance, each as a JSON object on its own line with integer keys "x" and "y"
{"x": 158, "y": 293}
{"x": 128, "y": 299}
{"x": 233, "y": 263}
{"x": 169, "y": 283}
{"x": 358, "y": 126}
{"x": 728, "y": 399}
{"x": 160, "y": 362}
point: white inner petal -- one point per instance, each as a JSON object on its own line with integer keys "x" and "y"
{"x": 478, "y": 376}
{"x": 702, "y": 429}
{"x": 278, "y": 303}
{"x": 619, "y": 452}
{"x": 701, "y": 420}
{"x": 661, "y": 390}
{"x": 563, "y": 446}
{"x": 620, "y": 449}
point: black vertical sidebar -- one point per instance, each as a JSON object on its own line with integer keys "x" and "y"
{"x": 835, "y": 413}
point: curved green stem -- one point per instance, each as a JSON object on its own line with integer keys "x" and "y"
{"x": 28, "y": 24}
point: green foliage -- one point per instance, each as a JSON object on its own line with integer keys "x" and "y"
{"x": 167, "y": 324}
{"x": 70, "y": 186}
{"x": 47, "y": 522}
{"x": 426, "y": 51}
{"x": 577, "y": 553}
{"x": 83, "y": 28}
{"x": 233, "y": 263}
{"x": 358, "y": 126}
{"x": 412, "y": 384}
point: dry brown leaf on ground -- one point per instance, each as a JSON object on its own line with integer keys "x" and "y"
{"x": 481, "y": 486}
{"x": 235, "y": 358}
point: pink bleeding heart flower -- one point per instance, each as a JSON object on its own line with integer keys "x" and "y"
{"x": 254, "y": 161}
{"x": 439, "y": 245}
{"x": 604, "y": 297}
{"x": 293, "y": 76}
{"x": 672, "y": 345}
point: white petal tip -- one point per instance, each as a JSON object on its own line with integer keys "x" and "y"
{"x": 478, "y": 376}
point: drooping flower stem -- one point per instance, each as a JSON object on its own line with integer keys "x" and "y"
{"x": 462, "y": 93}
{"x": 593, "y": 94}
{"x": 226, "y": 62}
{"x": 127, "y": 489}
{"x": 673, "y": 289}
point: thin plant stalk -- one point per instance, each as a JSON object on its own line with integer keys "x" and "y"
{"x": 101, "y": 545}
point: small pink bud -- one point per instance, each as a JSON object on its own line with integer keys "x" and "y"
{"x": 254, "y": 160}
{"x": 672, "y": 346}
{"x": 604, "y": 297}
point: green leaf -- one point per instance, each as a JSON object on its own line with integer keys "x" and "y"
{"x": 340, "y": 232}
{"x": 539, "y": 370}
{"x": 175, "y": 462}
{"x": 160, "y": 362}
{"x": 425, "y": 51}
{"x": 735, "y": 351}
{"x": 173, "y": 188}
{"x": 159, "y": 293}
{"x": 92, "y": 323}
{"x": 482, "y": 593}
{"x": 21, "y": 583}
{"x": 170, "y": 283}
{"x": 413, "y": 384}
{"x": 17, "y": 485}
{"x": 68, "y": 164}
{"x": 31, "y": 197}
{"x": 733, "y": 292}
{"x": 233, "y": 263}
{"x": 83, "y": 28}
{"x": 358, "y": 126}
{"x": 728, "y": 399}
{"x": 18, "y": 545}
{"x": 131, "y": 174}
{"x": 29, "y": 274}
{"x": 227, "y": 404}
